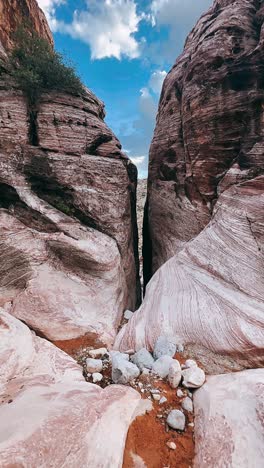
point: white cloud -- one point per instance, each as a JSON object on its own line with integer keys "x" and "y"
{"x": 176, "y": 12}
{"x": 138, "y": 160}
{"x": 49, "y": 8}
{"x": 147, "y": 104}
{"x": 156, "y": 80}
{"x": 107, "y": 26}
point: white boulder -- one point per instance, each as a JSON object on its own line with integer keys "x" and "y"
{"x": 143, "y": 359}
{"x": 187, "y": 404}
{"x": 161, "y": 367}
{"x": 194, "y": 377}
{"x": 175, "y": 374}
{"x": 164, "y": 347}
{"x": 176, "y": 420}
{"x": 123, "y": 371}
{"x": 98, "y": 353}
{"x": 94, "y": 365}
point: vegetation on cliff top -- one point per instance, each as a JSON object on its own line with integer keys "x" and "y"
{"x": 38, "y": 68}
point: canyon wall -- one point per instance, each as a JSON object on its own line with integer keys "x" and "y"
{"x": 209, "y": 132}
{"x": 68, "y": 231}
{"x": 204, "y": 222}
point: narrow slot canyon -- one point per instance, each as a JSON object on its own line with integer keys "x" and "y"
{"x": 132, "y": 307}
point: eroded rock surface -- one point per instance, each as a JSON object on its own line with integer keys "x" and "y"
{"x": 229, "y": 429}
{"x": 68, "y": 230}
{"x": 209, "y": 132}
{"x": 49, "y": 415}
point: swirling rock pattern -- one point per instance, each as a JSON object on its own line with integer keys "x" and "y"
{"x": 209, "y": 125}
{"x": 229, "y": 421}
{"x": 49, "y": 415}
{"x": 212, "y": 292}
{"x": 68, "y": 229}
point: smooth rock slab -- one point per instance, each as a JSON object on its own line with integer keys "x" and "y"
{"x": 143, "y": 359}
{"x": 161, "y": 367}
{"x": 49, "y": 415}
{"x": 176, "y": 420}
{"x": 229, "y": 425}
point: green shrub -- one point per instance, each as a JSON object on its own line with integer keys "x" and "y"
{"x": 37, "y": 67}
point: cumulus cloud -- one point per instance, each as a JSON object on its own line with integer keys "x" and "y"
{"x": 156, "y": 80}
{"x": 138, "y": 160}
{"x": 107, "y": 26}
{"x": 49, "y": 8}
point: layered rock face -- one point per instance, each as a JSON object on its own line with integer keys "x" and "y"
{"x": 206, "y": 196}
{"x": 68, "y": 230}
{"x": 49, "y": 415}
{"x": 229, "y": 421}
{"x": 209, "y": 132}
{"x": 13, "y": 13}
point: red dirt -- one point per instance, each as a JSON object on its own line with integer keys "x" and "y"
{"x": 147, "y": 436}
{"x": 74, "y": 346}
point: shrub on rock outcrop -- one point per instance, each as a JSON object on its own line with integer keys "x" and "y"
{"x": 37, "y": 67}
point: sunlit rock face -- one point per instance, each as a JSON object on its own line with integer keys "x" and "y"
{"x": 68, "y": 230}
{"x": 49, "y": 415}
{"x": 209, "y": 132}
{"x": 229, "y": 426}
{"x": 206, "y": 196}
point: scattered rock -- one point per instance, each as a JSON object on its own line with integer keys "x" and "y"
{"x": 175, "y": 374}
{"x": 94, "y": 365}
{"x": 179, "y": 348}
{"x": 129, "y": 352}
{"x": 156, "y": 396}
{"x": 97, "y": 377}
{"x": 97, "y": 353}
{"x": 187, "y": 404}
{"x": 190, "y": 363}
{"x": 154, "y": 390}
{"x": 176, "y": 420}
{"x": 194, "y": 377}
{"x": 179, "y": 393}
{"x": 171, "y": 445}
{"x": 117, "y": 353}
{"x": 143, "y": 359}
{"x": 164, "y": 347}
{"x": 145, "y": 371}
{"x": 162, "y": 365}
{"x": 123, "y": 371}
{"x": 163, "y": 400}
{"x": 128, "y": 314}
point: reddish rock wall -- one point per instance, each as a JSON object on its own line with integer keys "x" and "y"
{"x": 209, "y": 130}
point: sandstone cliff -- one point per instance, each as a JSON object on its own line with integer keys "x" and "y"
{"x": 209, "y": 132}
{"x": 68, "y": 231}
{"x": 205, "y": 212}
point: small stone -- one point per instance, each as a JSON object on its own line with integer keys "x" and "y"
{"x": 179, "y": 348}
{"x": 97, "y": 377}
{"x": 190, "y": 363}
{"x": 140, "y": 384}
{"x": 145, "y": 371}
{"x": 123, "y": 371}
{"x": 176, "y": 420}
{"x": 128, "y": 314}
{"x": 171, "y": 445}
{"x": 179, "y": 393}
{"x": 190, "y": 395}
{"x": 129, "y": 351}
{"x": 94, "y": 365}
{"x": 164, "y": 347}
{"x": 194, "y": 377}
{"x": 97, "y": 353}
{"x": 175, "y": 375}
{"x": 163, "y": 400}
{"x": 161, "y": 366}
{"x": 159, "y": 416}
{"x": 142, "y": 390}
{"x": 117, "y": 353}
{"x": 155, "y": 390}
{"x": 143, "y": 359}
{"x": 156, "y": 397}
{"x": 187, "y": 404}
{"x": 191, "y": 424}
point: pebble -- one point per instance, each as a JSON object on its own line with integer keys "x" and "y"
{"x": 163, "y": 400}
{"x": 117, "y": 353}
{"x": 190, "y": 363}
{"x": 123, "y": 371}
{"x": 143, "y": 359}
{"x": 194, "y": 377}
{"x": 94, "y": 365}
{"x": 97, "y": 353}
{"x": 175, "y": 375}
{"x": 164, "y": 347}
{"x": 171, "y": 445}
{"x": 128, "y": 314}
{"x": 187, "y": 404}
{"x": 156, "y": 397}
{"x": 162, "y": 365}
{"x": 191, "y": 424}
{"x": 179, "y": 393}
{"x": 176, "y": 420}
{"x": 97, "y": 377}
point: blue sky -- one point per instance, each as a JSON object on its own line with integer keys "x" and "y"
{"x": 122, "y": 50}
